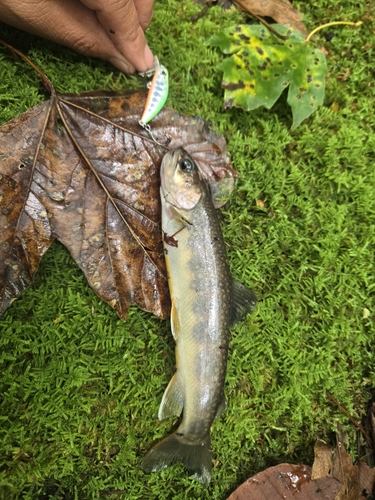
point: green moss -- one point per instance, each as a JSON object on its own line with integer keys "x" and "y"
{"x": 80, "y": 389}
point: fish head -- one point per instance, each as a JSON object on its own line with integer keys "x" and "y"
{"x": 181, "y": 182}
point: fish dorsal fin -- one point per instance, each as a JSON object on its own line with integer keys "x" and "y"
{"x": 172, "y": 402}
{"x": 175, "y": 321}
{"x": 222, "y": 407}
{"x": 243, "y": 302}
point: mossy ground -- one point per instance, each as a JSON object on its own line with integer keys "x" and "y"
{"x": 80, "y": 389}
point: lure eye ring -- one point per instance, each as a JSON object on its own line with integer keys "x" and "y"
{"x": 186, "y": 165}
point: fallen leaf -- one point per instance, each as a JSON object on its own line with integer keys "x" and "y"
{"x": 80, "y": 169}
{"x": 322, "y": 465}
{"x": 281, "y": 11}
{"x": 357, "y": 480}
{"x": 287, "y": 482}
{"x": 262, "y": 65}
{"x": 347, "y": 473}
{"x": 366, "y": 480}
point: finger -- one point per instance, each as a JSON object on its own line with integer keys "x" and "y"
{"x": 145, "y": 11}
{"x": 66, "y": 22}
{"x": 120, "y": 21}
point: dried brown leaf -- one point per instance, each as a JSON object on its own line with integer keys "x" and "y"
{"x": 366, "y": 480}
{"x": 80, "y": 169}
{"x": 287, "y": 482}
{"x": 347, "y": 473}
{"x": 357, "y": 480}
{"x": 282, "y": 11}
{"x": 323, "y": 460}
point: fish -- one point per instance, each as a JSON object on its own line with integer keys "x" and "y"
{"x": 206, "y": 300}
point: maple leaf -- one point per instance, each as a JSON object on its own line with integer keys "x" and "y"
{"x": 262, "y": 66}
{"x": 80, "y": 169}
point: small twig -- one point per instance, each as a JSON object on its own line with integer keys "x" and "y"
{"x": 200, "y": 14}
{"x": 261, "y": 20}
{"x": 269, "y": 27}
{"x": 352, "y": 419}
{"x": 46, "y": 81}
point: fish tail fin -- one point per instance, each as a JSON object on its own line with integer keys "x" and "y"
{"x": 195, "y": 456}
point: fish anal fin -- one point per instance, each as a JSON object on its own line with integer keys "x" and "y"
{"x": 243, "y": 302}
{"x": 172, "y": 402}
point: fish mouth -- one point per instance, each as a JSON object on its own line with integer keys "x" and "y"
{"x": 176, "y": 154}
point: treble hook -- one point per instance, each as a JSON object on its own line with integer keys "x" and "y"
{"x": 147, "y": 127}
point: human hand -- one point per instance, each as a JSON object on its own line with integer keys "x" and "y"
{"x": 109, "y": 29}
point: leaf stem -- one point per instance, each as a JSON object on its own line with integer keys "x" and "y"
{"x": 46, "y": 81}
{"x": 331, "y": 24}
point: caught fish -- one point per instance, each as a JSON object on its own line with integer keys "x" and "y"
{"x": 206, "y": 300}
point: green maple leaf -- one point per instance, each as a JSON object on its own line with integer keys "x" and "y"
{"x": 262, "y": 65}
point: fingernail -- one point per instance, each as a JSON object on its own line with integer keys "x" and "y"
{"x": 149, "y": 57}
{"x": 122, "y": 64}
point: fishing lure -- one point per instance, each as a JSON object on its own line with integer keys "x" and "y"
{"x": 157, "y": 95}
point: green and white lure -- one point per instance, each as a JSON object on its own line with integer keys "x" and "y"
{"x": 157, "y": 95}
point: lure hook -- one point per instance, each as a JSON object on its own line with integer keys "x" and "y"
{"x": 148, "y": 129}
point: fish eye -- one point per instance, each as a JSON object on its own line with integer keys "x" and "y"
{"x": 186, "y": 165}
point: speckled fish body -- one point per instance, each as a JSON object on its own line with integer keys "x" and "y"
{"x": 201, "y": 291}
{"x": 200, "y": 286}
{"x": 157, "y": 94}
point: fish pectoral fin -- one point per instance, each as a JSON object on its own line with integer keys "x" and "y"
{"x": 243, "y": 302}
{"x": 173, "y": 214}
{"x": 222, "y": 407}
{"x": 175, "y": 321}
{"x": 172, "y": 402}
